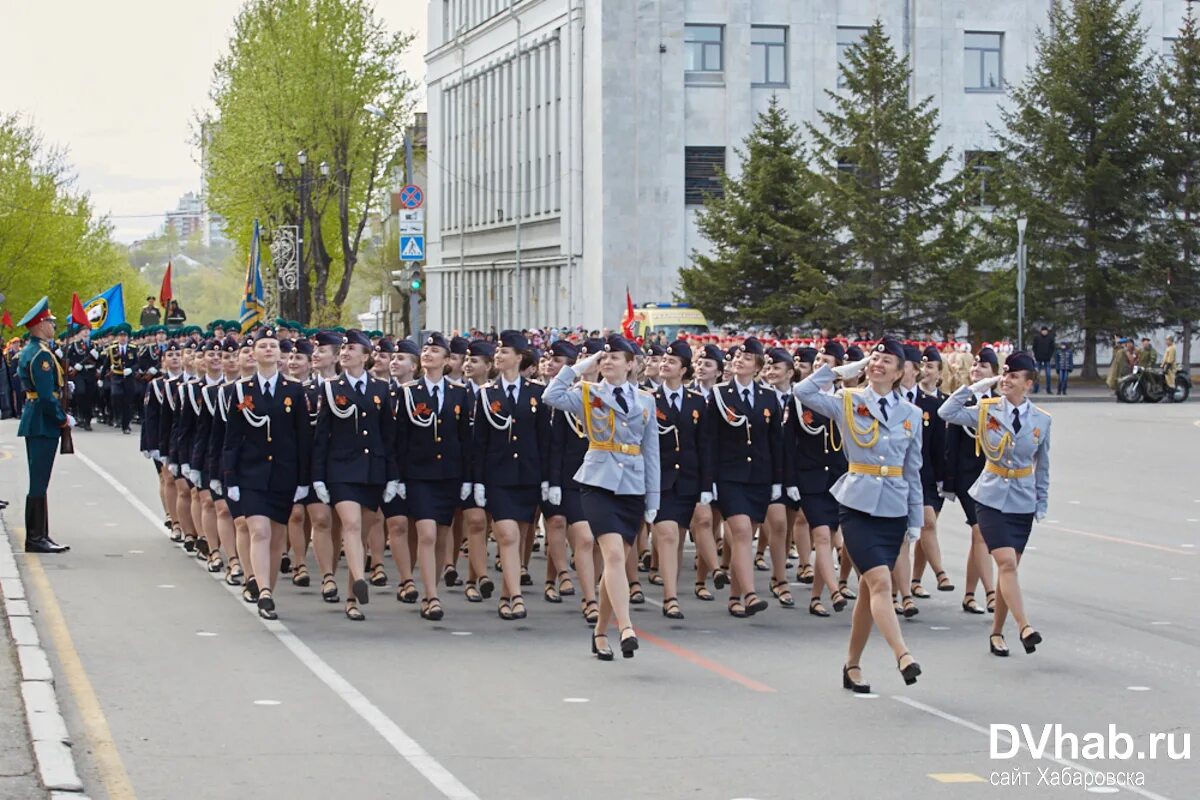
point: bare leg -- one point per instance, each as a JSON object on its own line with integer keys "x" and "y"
{"x": 397, "y": 532}
{"x": 802, "y": 536}
{"x": 427, "y": 537}
{"x": 475, "y": 527}
{"x": 739, "y": 549}
{"x": 1008, "y": 598}
{"x": 777, "y": 525}
{"x": 208, "y": 521}
{"x": 278, "y": 545}
{"x": 614, "y": 586}
{"x": 351, "y": 516}
{"x": 243, "y": 546}
{"x": 556, "y": 547}
{"x": 666, "y": 542}
{"x": 585, "y": 565}
{"x": 706, "y": 545}
{"x": 225, "y": 529}
{"x": 930, "y": 549}
{"x": 259, "y": 528}
{"x": 823, "y": 547}
{"x": 297, "y": 536}
{"x": 875, "y": 588}
{"x": 321, "y": 517}
{"x": 508, "y": 540}
{"x": 374, "y": 536}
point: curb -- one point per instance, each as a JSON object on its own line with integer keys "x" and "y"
{"x": 43, "y": 717}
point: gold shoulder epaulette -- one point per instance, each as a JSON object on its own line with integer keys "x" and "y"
{"x": 646, "y": 392}
{"x": 1044, "y": 411}
{"x": 990, "y": 401}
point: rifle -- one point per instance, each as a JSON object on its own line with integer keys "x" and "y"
{"x": 66, "y": 444}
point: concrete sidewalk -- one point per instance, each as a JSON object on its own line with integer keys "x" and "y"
{"x": 18, "y": 773}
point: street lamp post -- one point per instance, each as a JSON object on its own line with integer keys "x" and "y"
{"x": 303, "y": 185}
{"x": 1022, "y": 223}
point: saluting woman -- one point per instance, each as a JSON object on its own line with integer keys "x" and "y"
{"x": 354, "y": 467}
{"x": 743, "y": 434}
{"x": 433, "y": 455}
{"x": 620, "y": 474}
{"x": 511, "y": 464}
{"x": 1014, "y": 488}
{"x": 266, "y": 461}
{"x": 881, "y": 503}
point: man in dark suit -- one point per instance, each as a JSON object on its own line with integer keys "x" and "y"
{"x": 122, "y": 360}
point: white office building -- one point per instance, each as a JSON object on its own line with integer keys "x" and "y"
{"x": 570, "y": 141}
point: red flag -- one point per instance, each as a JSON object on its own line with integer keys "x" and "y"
{"x": 164, "y": 293}
{"x": 78, "y": 315}
{"x": 627, "y": 320}
{"x": 6, "y": 320}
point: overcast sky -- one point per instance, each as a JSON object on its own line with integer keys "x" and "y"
{"x": 118, "y": 82}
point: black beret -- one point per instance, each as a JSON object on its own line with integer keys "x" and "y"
{"x": 931, "y": 354}
{"x": 407, "y": 347}
{"x": 834, "y": 349}
{"x": 912, "y": 353}
{"x": 385, "y": 345}
{"x": 564, "y": 349}
{"x": 891, "y": 347}
{"x": 591, "y": 347}
{"x": 752, "y": 346}
{"x": 988, "y": 355}
{"x": 229, "y": 345}
{"x": 733, "y": 351}
{"x": 681, "y": 350}
{"x": 482, "y": 348}
{"x": 458, "y": 345}
{"x": 712, "y": 353}
{"x": 435, "y": 339}
{"x": 619, "y": 344}
{"x": 777, "y": 355}
{"x": 514, "y": 339}
{"x": 285, "y": 345}
{"x": 805, "y": 354}
{"x": 1020, "y": 360}
{"x": 655, "y": 350}
{"x": 330, "y": 338}
{"x": 172, "y": 347}
{"x": 264, "y": 332}
{"x": 247, "y": 342}
{"x": 356, "y": 336}
{"x": 854, "y": 353}
{"x": 304, "y": 347}
{"x": 209, "y": 344}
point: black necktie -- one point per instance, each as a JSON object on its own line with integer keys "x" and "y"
{"x": 620, "y": 395}
{"x": 675, "y": 401}
{"x": 436, "y": 403}
{"x": 746, "y": 398}
{"x": 883, "y": 407}
{"x": 267, "y": 390}
{"x": 1016, "y": 420}
{"x": 512, "y": 396}
{"x": 911, "y": 395}
{"x": 360, "y": 387}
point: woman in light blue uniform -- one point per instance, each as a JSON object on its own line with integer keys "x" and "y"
{"x": 619, "y": 476}
{"x": 880, "y": 497}
{"x": 1014, "y": 488}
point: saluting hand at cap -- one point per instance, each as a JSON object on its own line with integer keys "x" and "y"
{"x": 853, "y": 369}
{"x": 984, "y": 385}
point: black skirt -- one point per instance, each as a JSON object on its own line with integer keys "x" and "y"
{"x": 516, "y": 503}
{"x": 276, "y": 506}
{"x": 571, "y": 507}
{"x": 872, "y": 541}
{"x": 435, "y": 500}
{"x": 1003, "y": 529}
{"x": 751, "y": 499}
{"x": 677, "y": 508}
{"x": 367, "y": 495}
{"x": 932, "y": 497}
{"x": 613, "y": 513}
{"x": 820, "y": 509}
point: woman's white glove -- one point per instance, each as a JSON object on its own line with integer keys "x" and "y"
{"x": 173, "y": 469}
{"x": 1039, "y": 516}
{"x": 545, "y": 491}
{"x": 480, "y": 495}
{"x": 214, "y": 486}
{"x": 714, "y": 491}
{"x": 706, "y": 498}
{"x": 301, "y": 493}
{"x": 776, "y": 491}
{"x": 157, "y": 456}
{"x": 127, "y": 372}
{"x": 195, "y": 477}
{"x": 145, "y": 453}
{"x": 321, "y": 491}
{"x": 978, "y": 387}
{"x": 233, "y": 494}
{"x": 554, "y": 496}
{"x": 912, "y": 534}
{"x": 793, "y": 494}
{"x": 586, "y": 364}
{"x": 464, "y": 492}
{"x": 650, "y": 515}
{"x": 853, "y": 369}
{"x": 70, "y": 421}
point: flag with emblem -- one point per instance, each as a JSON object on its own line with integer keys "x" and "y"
{"x": 254, "y": 301}
{"x": 106, "y": 309}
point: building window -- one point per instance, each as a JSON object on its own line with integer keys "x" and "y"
{"x": 703, "y": 52}
{"x": 702, "y": 169}
{"x": 981, "y": 62}
{"x": 846, "y": 38}
{"x": 768, "y": 55}
{"x": 982, "y": 165}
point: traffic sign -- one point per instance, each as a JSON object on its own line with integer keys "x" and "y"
{"x": 411, "y": 228}
{"x": 412, "y": 248}
{"x": 411, "y": 196}
{"x": 412, "y": 215}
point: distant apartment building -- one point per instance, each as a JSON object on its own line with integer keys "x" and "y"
{"x": 187, "y": 218}
{"x": 571, "y": 141}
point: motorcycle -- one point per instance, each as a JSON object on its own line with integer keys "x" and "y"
{"x": 1149, "y": 385}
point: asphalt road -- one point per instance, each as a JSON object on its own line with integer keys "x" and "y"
{"x": 173, "y": 688}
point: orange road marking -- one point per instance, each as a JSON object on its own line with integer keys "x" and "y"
{"x": 1117, "y": 539}
{"x": 704, "y": 663}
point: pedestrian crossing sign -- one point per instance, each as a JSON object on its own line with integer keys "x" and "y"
{"x": 412, "y": 248}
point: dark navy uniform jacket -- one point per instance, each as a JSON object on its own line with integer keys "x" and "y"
{"x": 117, "y": 365}
{"x": 962, "y": 465}
{"x": 355, "y": 434}
{"x": 225, "y": 399}
{"x": 184, "y": 430}
{"x": 933, "y": 438}
{"x": 512, "y": 445}
{"x": 681, "y": 451}
{"x": 568, "y": 446}
{"x": 812, "y": 444}
{"x": 268, "y": 443}
{"x": 749, "y": 451}
{"x": 432, "y": 445}
{"x": 151, "y": 414}
{"x": 210, "y": 395}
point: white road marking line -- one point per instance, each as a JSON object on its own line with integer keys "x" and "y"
{"x": 1187, "y": 545}
{"x": 1020, "y": 746}
{"x": 943, "y": 627}
{"x": 576, "y": 700}
{"x": 460, "y": 633}
{"x": 166, "y": 586}
{"x": 407, "y": 747}
{"x": 205, "y": 633}
{"x": 1178, "y": 578}
{"x": 1138, "y": 688}
{"x": 1160, "y": 622}
{"x": 1073, "y": 502}
{"x": 138, "y": 552}
{"x": 266, "y": 702}
{"x": 866, "y": 695}
{"x": 1102, "y": 789}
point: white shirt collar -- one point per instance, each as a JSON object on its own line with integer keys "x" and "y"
{"x": 742, "y": 389}
{"x": 891, "y": 396}
{"x": 264, "y": 381}
{"x": 211, "y": 381}
{"x": 504, "y": 384}
{"x": 1022, "y": 410}
{"x": 439, "y": 384}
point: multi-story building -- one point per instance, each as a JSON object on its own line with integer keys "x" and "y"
{"x": 571, "y": 141}
{"x": 188, "y": 216}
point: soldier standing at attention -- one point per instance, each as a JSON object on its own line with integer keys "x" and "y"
{"x": 122, "y": 359}
{"x": 42, "y": 422}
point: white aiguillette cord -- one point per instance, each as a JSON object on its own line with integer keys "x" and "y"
{"x": 350, "y": 411}
{"x": 487, "y": 413}
{"x": 414, "y": 417}
{"x": 254, "y": 419}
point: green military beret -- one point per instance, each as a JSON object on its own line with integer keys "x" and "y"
{"x": 124, "y": 327}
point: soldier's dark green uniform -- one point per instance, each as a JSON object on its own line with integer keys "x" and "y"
{"x": 42, "y": 419}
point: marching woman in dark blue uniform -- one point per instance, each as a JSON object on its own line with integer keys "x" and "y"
{"x": 620, "y": 474}
{"x": 477, "y": 367}
{"x": 354, "y": 466}
{"x": 706, "y": 519}
{"x": 433, "y": 455}
{"x": 680, "y": 416}
{"x": 964, "y": 464}
{"x": 929, "y": 399}
{"x": 816, "y": 462}
{"x": 266, "y": 460}
{"x": 880, "y": 494}
{"x": 783, "y": 512}
{"x": 214, "y": 445}
{"x": 1014, "y": 488}
{"x": 743, "y": 434}
{"x": 511, "y": 461}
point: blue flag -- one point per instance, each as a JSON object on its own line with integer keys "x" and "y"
{"x": 254, "y": 301}
{"x": 107, "y": 309}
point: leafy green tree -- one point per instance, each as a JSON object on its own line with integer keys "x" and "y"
{"x": 1077, "y": 165}
{"x": 769, "y": 242}
{"x": 1173, "y": 277}
{"x": 898, "y": 207}
{"x": 51, "y": 241}
{"x": 297, "y": 76}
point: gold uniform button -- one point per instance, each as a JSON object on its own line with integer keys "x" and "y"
{"x": 514, "y": 438}
{"x": 437, "y": 439}
{"x": 439, "y": 456}
{"x": 268, "y": 440}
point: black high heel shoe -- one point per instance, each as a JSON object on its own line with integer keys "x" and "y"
{"x": 997, "y": 651}
{"x": 629, "y": 644}
{"x": 266, "y": 605}
{"x": 910, "y": 672}
{"x": 852, "y": 685}
{"x": 1031, "y": 641}
{"x": 604, "y": 654}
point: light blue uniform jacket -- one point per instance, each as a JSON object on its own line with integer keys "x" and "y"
{"x": 620, "y": 473}
{"x": 898, "y": 445}
{"x": 1030, "y": 447}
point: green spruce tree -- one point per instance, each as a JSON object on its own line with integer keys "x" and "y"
{"x": 769, "y": 242}
{"x": 1172, "y": 275}
{"x": 1076, "y": 164}
{"x": 897, "y": 206}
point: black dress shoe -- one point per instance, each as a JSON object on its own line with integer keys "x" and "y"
{"x": 45, "y": 545}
